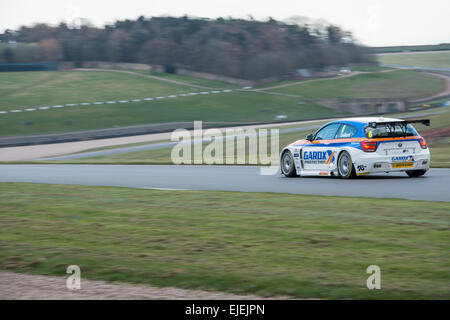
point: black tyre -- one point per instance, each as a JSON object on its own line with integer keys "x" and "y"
{"x": 287, "y": 164}
{"x": 415, "y": 173}
{"x": 346, "y": 168}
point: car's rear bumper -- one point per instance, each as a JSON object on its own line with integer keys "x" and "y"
{"x": 376, "y": 163}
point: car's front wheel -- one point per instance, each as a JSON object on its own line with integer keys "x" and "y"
{"x": 345, "y": 166}
{"x": 287, "y": 164}
{"x": 415, "y": 173}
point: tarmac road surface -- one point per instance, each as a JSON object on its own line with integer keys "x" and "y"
{"x": 434, "y": 186}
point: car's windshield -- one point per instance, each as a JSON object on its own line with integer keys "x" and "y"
{"x": 388, "y": 130}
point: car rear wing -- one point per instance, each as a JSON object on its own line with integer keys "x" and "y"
{"x": 425, "y": 122}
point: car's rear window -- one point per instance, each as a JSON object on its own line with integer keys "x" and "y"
{"x": 389, "y": 130}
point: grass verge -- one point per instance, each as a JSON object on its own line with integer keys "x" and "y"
{"x": 163, "y": 155}
{"x": 261, "y": 243}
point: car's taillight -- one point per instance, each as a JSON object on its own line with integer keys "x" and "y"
{"x": 369, "y": 146}
{"x": 423, "y": 143}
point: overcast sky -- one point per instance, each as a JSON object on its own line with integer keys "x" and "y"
{"x": 373, "y": 22}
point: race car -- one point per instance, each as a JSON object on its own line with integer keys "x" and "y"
{"x": 358, "y": 146}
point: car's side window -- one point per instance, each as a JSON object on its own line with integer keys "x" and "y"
{"x": 328, "y": 132}
{"x": 346, "y": 131}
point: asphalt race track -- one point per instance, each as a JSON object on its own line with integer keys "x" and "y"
{"x": 151, "y": 146}
{"x": 434, "y": 186}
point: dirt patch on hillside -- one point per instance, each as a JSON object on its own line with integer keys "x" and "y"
{"x": 436, "y": 134}
{"x": 15, "y": 286}
{"x": 445, "y": 92}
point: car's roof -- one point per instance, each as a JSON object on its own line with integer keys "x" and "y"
{"x": 367, "y": 119}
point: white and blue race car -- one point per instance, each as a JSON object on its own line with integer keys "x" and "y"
{"x": 358, "y": 146}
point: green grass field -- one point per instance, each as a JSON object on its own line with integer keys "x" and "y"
{"x": 418, "y": 48}
{"x": 428, "y": 59}
{"x": 33, "y": 89}
{"x": 192, "y": 80}
{"x": 371, "y": 68}
{"x": 440, "y": 155}
{"x": 405, "y": 84}
{"x": 224, "y": 107}
{"x": 258, "y": 243}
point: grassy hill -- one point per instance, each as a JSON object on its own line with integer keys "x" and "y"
{"x": 404, "y": 83}
{"x": 425, "y": 59}
{"x": 22, "y": 90}
{"x": 223, "y": 107}
{"x": 430, "y": 47}
{"x": 31, "y": 89}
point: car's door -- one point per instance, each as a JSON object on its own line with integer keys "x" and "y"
{"x": 319, "y": 154}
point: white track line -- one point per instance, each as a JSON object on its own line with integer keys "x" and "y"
{"x": 115, "y": 101}
{"x": 163, "y": 189}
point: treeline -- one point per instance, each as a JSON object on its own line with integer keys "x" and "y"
{"x": 239, "y": 48}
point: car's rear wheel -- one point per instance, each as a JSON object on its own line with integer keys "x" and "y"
{"x": 345, "y": 166}
{"x": 287, "y": 164}
{"x": 415, "y": 173}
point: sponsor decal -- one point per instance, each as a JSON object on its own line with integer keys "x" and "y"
{"x": 330, "y": 158}
{"x": 361, "y": 167}
{"x": 403, "y": 159}
{"x": 318, "y": 157}
{"x": 296, "y": 155}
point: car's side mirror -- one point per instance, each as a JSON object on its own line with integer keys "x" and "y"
{"x": 310, "y": 137}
